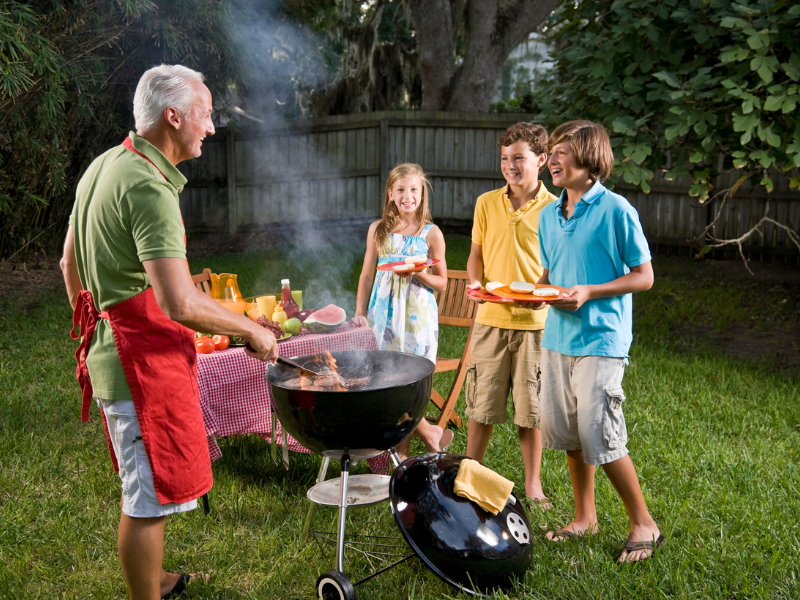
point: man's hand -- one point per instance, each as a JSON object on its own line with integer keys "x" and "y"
{"x": 475, "y": 286}
{"x": 574, "y": 298}
{"x": 262, "y": 345}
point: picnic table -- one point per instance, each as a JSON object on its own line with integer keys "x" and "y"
{"x": 235, "y": 396}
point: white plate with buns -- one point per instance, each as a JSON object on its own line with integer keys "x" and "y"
{"x": 551, "y": 293}
{"x": 403, "y": 266}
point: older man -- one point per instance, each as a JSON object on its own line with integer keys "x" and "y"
{"x": 128, "y": 281}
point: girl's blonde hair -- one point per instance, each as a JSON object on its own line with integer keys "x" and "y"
{"x": 391, "y": 216}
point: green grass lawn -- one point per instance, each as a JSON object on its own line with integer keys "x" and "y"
{"x": 715, "y": 438}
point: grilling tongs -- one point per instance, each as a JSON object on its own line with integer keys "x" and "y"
{"x": 304, "y": 370}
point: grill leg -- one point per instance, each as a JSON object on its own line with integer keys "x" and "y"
{"x": 323, "y": 470}
{"x": 395, "y": 457}
{"x": 342, "y": 513}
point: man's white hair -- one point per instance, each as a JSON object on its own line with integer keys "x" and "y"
{"x": 161, "y": 87}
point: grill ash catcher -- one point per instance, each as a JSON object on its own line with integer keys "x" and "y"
{"x": 461, "y": 543}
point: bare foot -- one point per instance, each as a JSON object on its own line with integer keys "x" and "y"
{"x": 431, "y": 435}
{"x": 572, "y": 529}
{"x": 650, "y": 536}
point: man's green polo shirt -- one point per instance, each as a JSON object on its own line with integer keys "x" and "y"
{"x": 125, "y": 212}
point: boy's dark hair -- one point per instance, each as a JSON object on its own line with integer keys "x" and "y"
{"x": 590, "y": 146}
{"x": 535, "y": 135}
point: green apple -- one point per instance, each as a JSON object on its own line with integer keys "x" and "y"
{"x": 292, "y": 326}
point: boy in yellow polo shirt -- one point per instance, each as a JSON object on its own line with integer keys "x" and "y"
{"x": 506, "y": 340}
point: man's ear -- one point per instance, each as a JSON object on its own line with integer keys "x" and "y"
{"x": 542, "y": 161}
{"x": 173, "y": 117}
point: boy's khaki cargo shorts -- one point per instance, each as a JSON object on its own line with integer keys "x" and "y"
{"x": 581, "y": 406}
{"x": 503, "y": 360}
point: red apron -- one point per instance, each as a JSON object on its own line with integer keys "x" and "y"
{"x": 160, "y": 363}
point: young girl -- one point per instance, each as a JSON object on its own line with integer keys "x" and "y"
{"x": 402, "y": 310}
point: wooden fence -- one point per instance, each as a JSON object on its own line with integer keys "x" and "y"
{"x": 335, "y": 168}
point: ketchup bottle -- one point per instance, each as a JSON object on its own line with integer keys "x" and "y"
{"x": 289, "y": 305}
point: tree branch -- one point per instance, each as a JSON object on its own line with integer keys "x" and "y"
{"x": 518, "y": 18}
{"x": 494, "y": 29}
{"x": 755, "y": 229}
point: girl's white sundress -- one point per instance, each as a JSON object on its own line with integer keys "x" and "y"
{"x": 402, "y": 312}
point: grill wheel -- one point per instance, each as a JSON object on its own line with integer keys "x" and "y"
{"x": 333, "y": 585}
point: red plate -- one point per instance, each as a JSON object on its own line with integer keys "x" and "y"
{"x": 506, "y": 293}
{"x": 389, "y": 267}
{"x": 486, "y": 296}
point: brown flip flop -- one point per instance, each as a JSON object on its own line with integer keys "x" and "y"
{"x": 563, "y": 535}
{"x": 567, "y": 534}
{"x": 632, "y": 546}
{"x": 183, "y": 580}
{"x": 542, "y": 502}
{"x": 179, "y": 586}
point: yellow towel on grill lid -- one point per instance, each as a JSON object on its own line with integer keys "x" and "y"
{"x": 487, "y": 489}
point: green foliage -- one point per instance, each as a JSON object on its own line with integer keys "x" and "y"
{"x": 370, "y": 49}
{"x": 67, "y": 77}
{"x": 681, "y": 82}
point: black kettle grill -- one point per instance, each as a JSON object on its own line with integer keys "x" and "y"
{"x": 466, "y": 546}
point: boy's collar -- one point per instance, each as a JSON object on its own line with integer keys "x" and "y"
{"x": 542, "y": 190}
{"x": 593, "y": 194}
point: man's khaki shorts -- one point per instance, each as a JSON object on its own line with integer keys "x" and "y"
{"x": 503, "y": 360}
{"x": 581, "y": 406}
{"x": 138, "y": 491}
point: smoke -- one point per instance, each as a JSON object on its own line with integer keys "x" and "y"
{"x": 288, "y": 183}
{"x": 279, "y": 60}
{"x": 328, "y": 263}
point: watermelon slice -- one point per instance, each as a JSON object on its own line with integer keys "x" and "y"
{"x": 325, "y": 319}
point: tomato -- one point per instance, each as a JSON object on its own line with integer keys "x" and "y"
{"x": 204, "y": 345}
{"x": 221, "y": 342}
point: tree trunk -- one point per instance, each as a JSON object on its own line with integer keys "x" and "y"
{"x": 437, "y": 57}
{"x": 493, "y": 29}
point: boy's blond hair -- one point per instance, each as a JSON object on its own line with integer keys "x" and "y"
{"x": 391, "y": 216}
{"x": 590, "y": 147}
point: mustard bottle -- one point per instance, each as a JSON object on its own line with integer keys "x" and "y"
{"x": 279, "y": 316}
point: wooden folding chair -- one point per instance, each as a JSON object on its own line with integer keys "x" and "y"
{"x": 454, "y": 309}
{"x": 203, "y": 281}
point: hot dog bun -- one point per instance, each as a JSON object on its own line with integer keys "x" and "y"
{"x": 417, "y": 260}
{"x": 545, "y": 291}
{"x": 522, "y": 287}
{"x": 493, "y": 285}
{"x": 404, "y": 267}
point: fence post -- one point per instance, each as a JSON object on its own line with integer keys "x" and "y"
{"x": 230, "y": 139}
{"x": 383, "y": 145}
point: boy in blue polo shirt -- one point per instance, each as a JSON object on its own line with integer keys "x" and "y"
{"x": 592, "y": 243}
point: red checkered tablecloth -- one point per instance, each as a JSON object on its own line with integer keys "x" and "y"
{"x": 235, "y": 396}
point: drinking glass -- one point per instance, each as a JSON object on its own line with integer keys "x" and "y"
{"x": 266, "y": 305}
